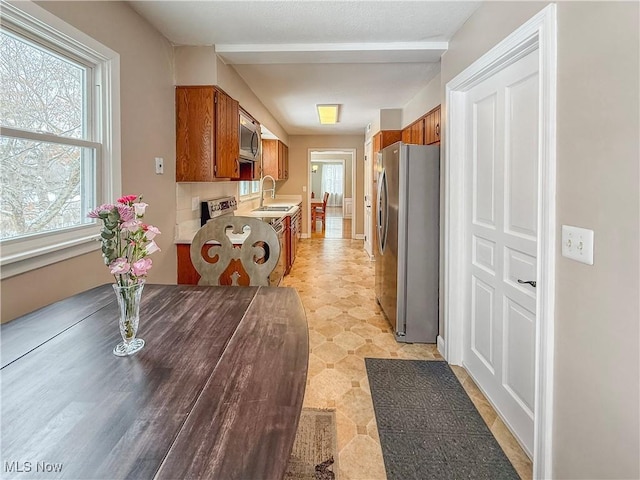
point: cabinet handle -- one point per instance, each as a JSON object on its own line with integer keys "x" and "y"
{"x": 437, "y": 129}
{"x": 533, "y": 283}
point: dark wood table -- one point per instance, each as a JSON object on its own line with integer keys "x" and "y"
{"x": 216, "y": 392}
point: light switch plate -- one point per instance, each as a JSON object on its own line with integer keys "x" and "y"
{"x": 577, "y": 244}
{"x": 159, "y": 165}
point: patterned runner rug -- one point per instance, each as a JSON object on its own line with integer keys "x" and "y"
{"x": 314, "y": 455}
{"x": 428, "y": 426}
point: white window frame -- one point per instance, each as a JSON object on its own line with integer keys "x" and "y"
{"x": 249, "y": 196}
{"x": 28, "y": 253}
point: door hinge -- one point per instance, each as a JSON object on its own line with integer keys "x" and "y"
{"x": 215, "y": 169}
{"x": 215, "y": 98}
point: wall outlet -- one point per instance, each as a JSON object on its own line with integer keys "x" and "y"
{"x": 195, "y": 204}
{"x": 159, "y": 165}
{"x": 304, "y": 188}
{"x": 577, "y": 244}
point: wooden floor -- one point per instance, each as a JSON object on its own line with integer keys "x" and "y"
{"x": 335, "y": 225}
{"x": 335, "y": 280}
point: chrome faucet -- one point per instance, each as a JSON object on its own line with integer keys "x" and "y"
{"x": 262, "y": 190}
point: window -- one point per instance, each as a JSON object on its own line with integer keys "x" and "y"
{"x": 333, "y": 182}
{"x": 249, "y": 189}
{"x": 57, "y": 155}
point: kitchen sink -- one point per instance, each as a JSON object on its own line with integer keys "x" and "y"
{"x": 271, "y": 209}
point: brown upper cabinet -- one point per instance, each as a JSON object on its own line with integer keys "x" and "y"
{"x": 432, "y": 126}
{"x": 425, "y": 130}
{"x": 384, "y": 138}
{"x": 207, "y": 128}
{"x": 275, "y": 159}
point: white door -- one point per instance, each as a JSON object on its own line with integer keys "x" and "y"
{"x": 368, "y": 183}
{"x": 502, "y": 226}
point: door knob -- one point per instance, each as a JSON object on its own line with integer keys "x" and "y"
{"x": 530, "y": 282}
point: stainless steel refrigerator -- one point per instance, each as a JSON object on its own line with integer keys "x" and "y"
{"x": 407, "y": 222}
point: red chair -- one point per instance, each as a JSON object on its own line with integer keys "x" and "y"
{"x": 320, "y": 213}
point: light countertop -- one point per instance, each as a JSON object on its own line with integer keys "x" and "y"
{"x": 187, "y": 232}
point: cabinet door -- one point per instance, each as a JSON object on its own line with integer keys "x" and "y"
{"x": 287, "y": 241}
{"x": 285, "y": 161}
{"x": 195, "y": 136}
{"x": 280, "y": 160}
{"x": 390, "y": 137}
{"x": 429, "y": 130}
{"x": 270, "y": 158}
{"x": 227, "y": 141}
{"x": 417, "y": 132}
{"x": 377, "y": 142}
{"x": 406, "y": 135}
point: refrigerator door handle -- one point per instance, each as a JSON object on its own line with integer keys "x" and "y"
{"x": 382, "y": 216}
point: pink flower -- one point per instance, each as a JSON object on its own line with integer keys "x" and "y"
{"x": 132, "y": 225}
{"x": 105, "y": 208}
{"x": 140, "y": 208}
{"x": 141, "y": 267}
{"x": 150, "y": 231}
{"x": 126, "y": 212}
{"x": 127, "y": 199}
{"x": 151, "y": 247}
{"x": 119, "y": 266}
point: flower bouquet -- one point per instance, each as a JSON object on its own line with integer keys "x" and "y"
{"x": 126, "y": 244}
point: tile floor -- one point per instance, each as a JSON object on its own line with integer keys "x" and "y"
{"x": 335, "y": 225}
{"x": 334, "y": 278}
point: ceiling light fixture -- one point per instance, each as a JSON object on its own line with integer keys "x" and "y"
{"x": 328, "y": 114}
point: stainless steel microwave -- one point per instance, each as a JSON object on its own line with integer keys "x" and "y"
{"x": 250, "y": 139}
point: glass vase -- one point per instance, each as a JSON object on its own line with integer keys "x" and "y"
{"x": 129, "y": 303}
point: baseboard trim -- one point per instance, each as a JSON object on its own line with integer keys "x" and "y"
{"x": 305, "y": 235}
{"x": 441, "y": 347}
{"x": 359, "y": 236}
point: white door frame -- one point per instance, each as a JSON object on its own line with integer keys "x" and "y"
{"x": 538, "y": 33}
{"x": 368, "y": 174}
{"x": 351, "y": 151}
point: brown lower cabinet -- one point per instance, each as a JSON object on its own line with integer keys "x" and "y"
{"x": 288, "y": 245}
{"x": 187, "y": 274}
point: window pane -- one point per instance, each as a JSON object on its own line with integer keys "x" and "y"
{"x": 45, "y": 186}
{"x": 244, "y": 188}
{"x": 41, "y": 91}
{"x": 255, "y": 186}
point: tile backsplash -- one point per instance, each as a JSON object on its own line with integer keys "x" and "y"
{"x": 185, "y": 216}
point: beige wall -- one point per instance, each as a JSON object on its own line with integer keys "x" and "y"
{"x": 234, "y": 85}
{"x": 202, "y": 66}
{"x": 147, "y": 116}
{"x": 596, "y": 432}
{"x": 299, "y": 146}
{"x": 597, "y": 402}
{"x": 195, "y": 65}
{"x": 426, "y": 99}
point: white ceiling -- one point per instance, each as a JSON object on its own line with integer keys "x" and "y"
{"x": 364, "y": 55}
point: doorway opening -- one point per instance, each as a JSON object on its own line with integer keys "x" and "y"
{"x": 331, "y": 171}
